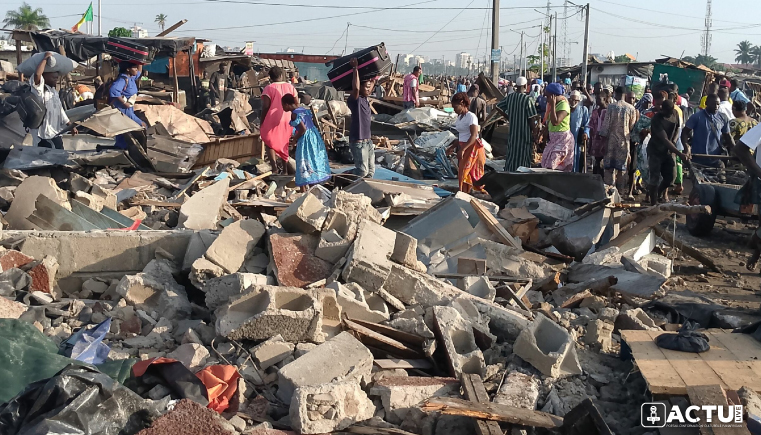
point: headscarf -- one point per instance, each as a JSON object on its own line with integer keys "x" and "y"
{"x": 555, "y": 89}
{"x": 647, "y": 98}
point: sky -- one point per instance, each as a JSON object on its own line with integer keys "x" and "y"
{"x": 646, "y": 29}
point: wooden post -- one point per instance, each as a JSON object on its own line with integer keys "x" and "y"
{"x": 18, "y": 52}
{"x": 172, "y": 28}
{"x": 176, "y": 93}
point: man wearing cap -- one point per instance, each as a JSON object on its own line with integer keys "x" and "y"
{"x": 579, "y": 128}
{"x": 522, "y": 116}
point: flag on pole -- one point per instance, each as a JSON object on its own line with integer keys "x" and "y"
{"x": 87, "y": 17}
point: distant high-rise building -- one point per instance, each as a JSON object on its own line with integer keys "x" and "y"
{"x": 461, "y": 60}
{"x": 139, "y": 32}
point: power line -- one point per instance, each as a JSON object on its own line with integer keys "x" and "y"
{"x": 256, "y": 3}
{"x": 445, "y": 25}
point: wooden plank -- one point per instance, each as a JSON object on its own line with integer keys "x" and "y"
{"x": 492, "y": 411}
{"x": 57, "y": 217}
{"x": 248, "y": 184}
{"x": 733, "y": 371}
{"x": 397, "y": 347}
{"x": 123, "y": 220}
{"x": 475, "y": 392}
{"x": 156, "y": 203}
{"x": 191, "y": 183}
{"x": 745, "y": 348}
{"x": 495, "y": 227}
{"x": 407, "y": 364}
{"x": 94, "y": 217}
{"x": 690, "y": 366}
{"x": 630, "y": 233}
{"x": 687, "y": 249}
{"x": 660, "y": 376}
{"x": 391, "y": 332}
{"x": 711, "y": 395}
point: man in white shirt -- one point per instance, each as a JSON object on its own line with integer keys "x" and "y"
{"x": 743, "y": 150}
{"x": 43, "y": 84}
{"x": 725, "y": 107}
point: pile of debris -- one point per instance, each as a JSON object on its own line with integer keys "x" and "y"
{"x": 232, "y": 300}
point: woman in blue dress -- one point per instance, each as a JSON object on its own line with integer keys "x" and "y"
{"x": 312, "y": 166}
{"x": 121, "y": 94}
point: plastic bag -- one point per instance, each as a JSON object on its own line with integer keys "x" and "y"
{"x": 87, "y": 345}
{"x": 77, "y": 401}
{"x": 686, "y": 340}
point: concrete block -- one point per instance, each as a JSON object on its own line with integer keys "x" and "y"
{"x": 519, "y": 391}
{"x": 230, "y": 249}
{"x": 219, "y": 290}
{"x": 415, "y": 325}
{"x": 302, "y": 349}
{"x": 191, "y": 355}
{"x": 341, "y": 358}
{"x": 12, "y": 258}
{"x": 25, "y": 198}
{"x": 272, "y": 351}
{"x": 360, "y": 304}
{"x": 659, "y": 264}
{"x": 43, "y": 274}
{"x": 337, "y": 221}
{"x": 149, "y": 293}
{"x": 295, "y": 261}
{"x": 266, "y": 311}
{"x": 202, "y": 271}
{"x": 10, "y": 309}
{"x": 479, "y": 286}
{"x": 608, "y": 257}
{"x": 201, "y": 211}
{"x": 199, "y": 243}
{"x": 329, "y": 407}
{"x": 305, "y": 215}
{"x": 458, "y": 339}
{"x": 405, "y": 252}
{"x": 549, "y": 348}
{"x": 399, "y": 394}
{"x": 356, "y": 208}
{"x": 599, "y": 335}
{"x": 635, "y": 319}
{"x": 332, "y": 247}
{"x": 640, "y": 245}
{"x": 368, "y": 261}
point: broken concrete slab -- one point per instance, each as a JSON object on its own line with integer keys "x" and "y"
{"x": 599, "y": 335}
{"x": 357, "y": 303}
{"x": 191, "y": 355}
{"x": 368, "y": 261}
{"x": 640, "y": 245}
{"x": 578, "y": 237}
{"x": 199, "y": 243}
{"x": 629, "y": 283}
{"x": 329, "y": 407}
{"x": 341, "y": 358}
{"x": 547, "y": 212}
{"x": 148, "y": 293}
{"x": 518, "y": 390}
{"x": 356, "y": 208}
{"x": 405, "y": 252}
{"x": 43, "y": 274}
{"x": 658, "y": 264}
{"x": 549, "y": 348}
{"x": 25, "y": 199}
{"x": 272, "y": 351}
{"x": 332, "y": 246}
{"x": 219, "y": 290}
{"x": 265, "y": 311}
{"x": 10, "y": 309}
{"x": 201, "y": 211}
{"x": 296, "y": 264}
{"x": 230, "y": 249}
{"x": 635, "y": 319}
{"x": 399, "y": 395}
{"x": 479, "y": 286}
{"x": 607, "y": 257}
{"x": 458, "y": 339}
{"x": 13, "y": 259}
{"x": 305, "y": 215}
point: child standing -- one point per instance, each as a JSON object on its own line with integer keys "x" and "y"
{"x": 312, "y": 166}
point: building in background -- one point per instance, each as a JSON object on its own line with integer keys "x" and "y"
{"x": 139, "y": 32}
{"x": 462, "y": 60}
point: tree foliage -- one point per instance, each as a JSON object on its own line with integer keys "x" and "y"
{"x": 26, "y": 18}
{"x": 161, "y": 20}
{"x": 622, "y": 59}
{"x": 743, "y": 52}
{"x": 120, "y": 32}
{"x": 706, "y": 61}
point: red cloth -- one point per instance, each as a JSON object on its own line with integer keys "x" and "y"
{"x": 140, "y": 368}
{"x": 276, "y": 129}
{"x": 221, "y": 382}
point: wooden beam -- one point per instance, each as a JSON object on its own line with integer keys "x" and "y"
{"x": 475, "y": 392}
{"x": 381, "y": 341}
{"x": 687, "y": 249}
{"x": 407, "y": 364}
{"x": 176, "y": 92}
{"x": 248, "y": 184}
{"x": 492, "y": 411}
{"x": 494, "y": 225}
{"x": 172, "y": 28}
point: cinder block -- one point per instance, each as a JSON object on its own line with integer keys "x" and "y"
{"x": 332, "y": 247}
{"x": 549, "y": 348}
{"x": 343, "y": 357}
{"x": 329, "y": 407}
{"x": 599, "y": 335}
{"x": 305, "y": 215}
{"x": 457, "y": 336}
{"x": 150, "y": 293}
{"x": 368, "y": 262}
{"x": 265, "y": 311}
{"x": 357, "y": 303}
{"x": 401, "y": 394}
{"x": 479, "y": 286}
{"x": 272, "y": 351}
{"x": 519, "y": 391}
{"x": 220, "y": 290}
{"x": 337, "y": 221}
{"x": 659, "y": 264}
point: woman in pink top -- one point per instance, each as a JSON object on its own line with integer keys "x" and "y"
{"x": 275, "y": 129}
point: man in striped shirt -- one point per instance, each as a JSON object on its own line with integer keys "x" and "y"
{"x": 522, "y": 116}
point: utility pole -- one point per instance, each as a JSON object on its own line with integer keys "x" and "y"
{"x": 541, "y": 50}
{"x": 555, "y": 51}
{"x": 586, "y": 48}
{"x": 100, "y": 19}
{"x": 495, "y": 40}
{"x": 525, "y": 57}
{"x": 520, "y": 59}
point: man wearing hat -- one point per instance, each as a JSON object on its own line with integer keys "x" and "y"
{"x": 521, "y": 114}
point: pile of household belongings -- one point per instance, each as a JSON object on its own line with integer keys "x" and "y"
{"x": 228, "y": 302}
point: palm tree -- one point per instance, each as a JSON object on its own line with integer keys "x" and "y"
{"x": 161, "y": 20}
{"x": 755, "y": 54}
{"x": 26, "y": 18}
{"x": 743, "y": 53}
